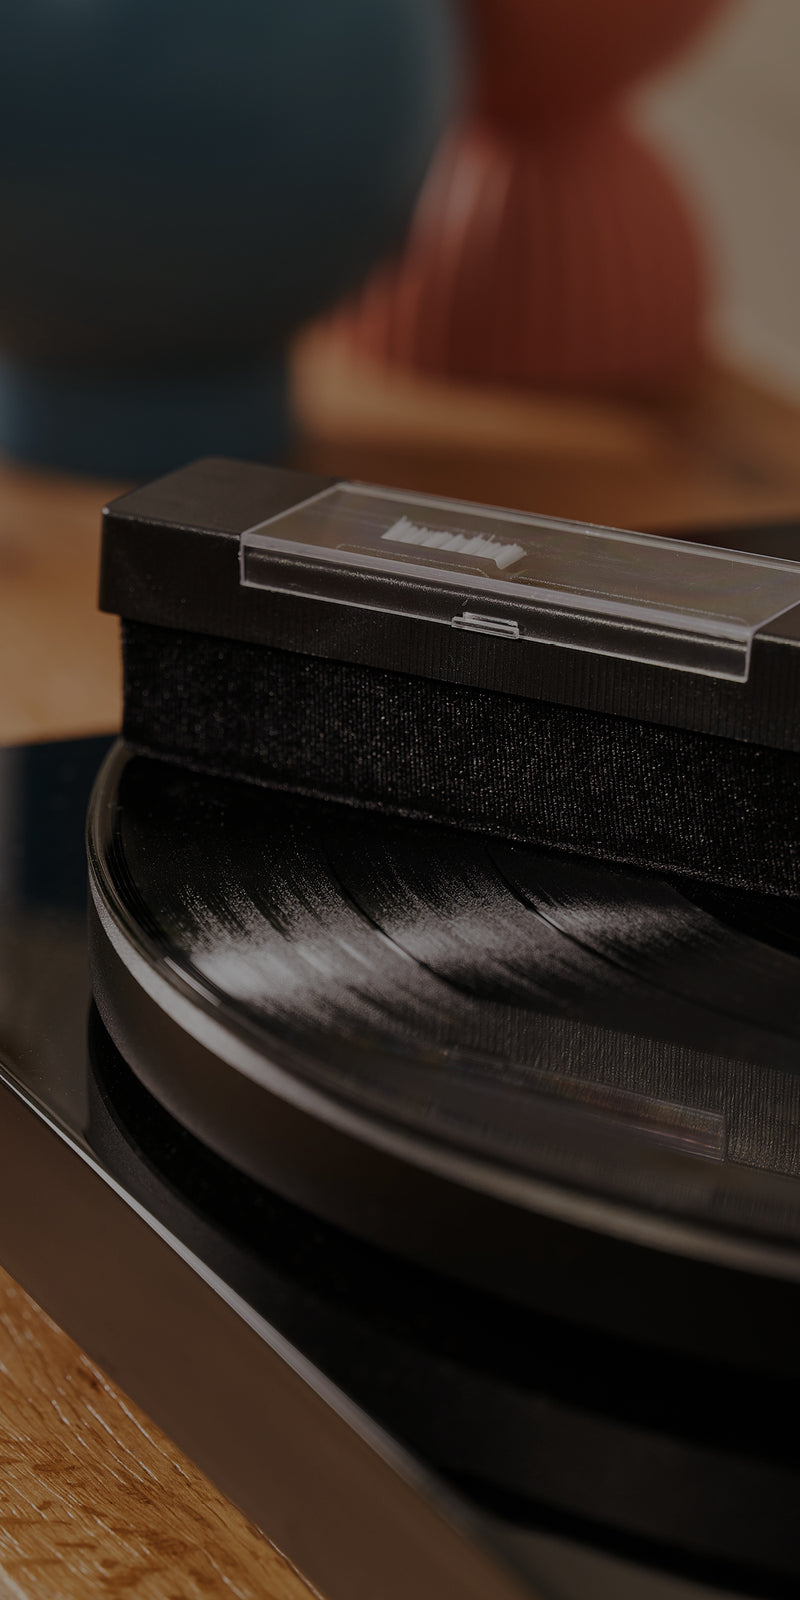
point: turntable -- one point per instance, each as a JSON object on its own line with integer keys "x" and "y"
{"x": 565, "y": 1374}
{"x": 432, "y": 1178}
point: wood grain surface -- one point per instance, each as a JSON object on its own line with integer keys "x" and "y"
{"x": 95, "y": 1502}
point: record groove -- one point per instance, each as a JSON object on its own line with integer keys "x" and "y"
{"x": 423, "y": 954}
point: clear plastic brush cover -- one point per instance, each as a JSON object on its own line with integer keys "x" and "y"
{"x": 518, "y": 577}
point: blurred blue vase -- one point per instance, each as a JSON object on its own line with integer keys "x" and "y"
{"x": 182, "y": 183}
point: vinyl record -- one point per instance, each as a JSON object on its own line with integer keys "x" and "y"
{"x": 571, "y": 1086}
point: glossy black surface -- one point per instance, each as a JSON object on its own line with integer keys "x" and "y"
{"x": 44, "y": 981}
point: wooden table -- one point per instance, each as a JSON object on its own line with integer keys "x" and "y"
{"x": 94, "y": 1500}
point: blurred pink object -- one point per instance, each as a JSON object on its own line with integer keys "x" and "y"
{"x": 551, "y": 248}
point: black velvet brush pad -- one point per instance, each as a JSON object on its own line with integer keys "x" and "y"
{"x": 600, "y": 693}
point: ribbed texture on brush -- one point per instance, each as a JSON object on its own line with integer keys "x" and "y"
{"x": 612, "y": 788}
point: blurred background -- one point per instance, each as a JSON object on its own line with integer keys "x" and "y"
{"x": 728, "y": 119}
{"x": 541, "y": 253}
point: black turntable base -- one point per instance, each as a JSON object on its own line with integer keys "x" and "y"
{"x": 485, "y": 1282}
